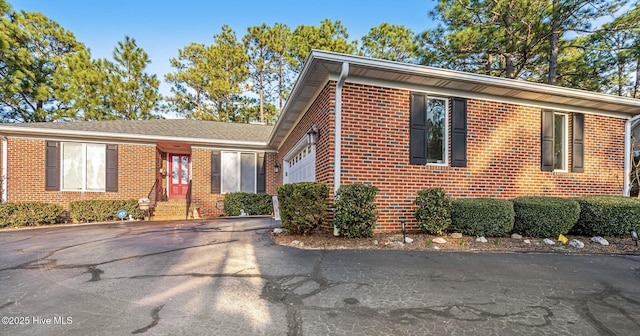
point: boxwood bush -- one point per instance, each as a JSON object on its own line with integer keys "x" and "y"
{"x": 607, "y": 215}
{"x": 544, "y": 217}
{"x": 355, "y": 210}
{"x": 103, "y": 210}
{"x": 433, "y": 210}
{"x": 252, "y": 204}
{"x": 303, "y": 206}
{"x": 488, "y": 217}
{"x": 29, "y": 213}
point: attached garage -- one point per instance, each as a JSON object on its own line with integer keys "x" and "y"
{"x": 300, "y": 164}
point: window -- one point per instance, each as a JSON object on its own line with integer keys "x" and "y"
{"x": 436, "y": 130}
{"x": 429, "y": 129}
{"x": 238, "y": 172}
{"x": 560, "y": 141}
{"x": 83, "y": 167}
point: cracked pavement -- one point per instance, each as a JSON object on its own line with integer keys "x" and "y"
{"x": 227, "y": 277}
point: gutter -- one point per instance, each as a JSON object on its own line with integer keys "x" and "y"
{"x": 627, "y": 153}
{"x": 5, "y": 165}
{"x": 337, "y": 137}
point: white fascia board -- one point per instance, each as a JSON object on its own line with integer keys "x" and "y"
{"x": 44, "y": 132}
{"x": 304, "y": 111}
{"x": 426, "y": 71}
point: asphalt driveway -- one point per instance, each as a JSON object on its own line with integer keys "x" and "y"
{"x": 226, "y": 277}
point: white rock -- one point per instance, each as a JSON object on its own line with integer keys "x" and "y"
{"x": 408, "y": 240}
{"x": 548, "y": 241}
{"x": 481, "y": 240}
{"x": 278, "y": 230}
{"x": 456, "y": 235}
{"x": 516, "y": 236}
{"x": 375, "y": 242}
{"x": 600, "y": 240}
{"x": 576, "y": 243}
{"x": 439, "y": 240}
{"x": 436, "y": 247}
{"x": 295, "y": 242}
{"x": 526, "y": 241}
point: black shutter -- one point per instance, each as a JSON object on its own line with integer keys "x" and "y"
{"x": 52, "y": 166}
{"x": 112, "y": 169}
{"x": 418, "y": 130}
{"x": 262, "y": 173}
{"x": 216, "y": 159}
{"x": 458, "y": 132}
{"x": 546, "y": 137}
{"x": 577, "y": 165}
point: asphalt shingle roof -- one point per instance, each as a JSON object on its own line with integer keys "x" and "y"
{"x": 179, "y": 128}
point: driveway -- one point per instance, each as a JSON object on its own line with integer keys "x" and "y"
{"x": 226, "y": 277}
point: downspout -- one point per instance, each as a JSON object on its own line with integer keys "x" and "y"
{"x": 337, "y": 137}
{"x": 627, "y": 153}
{"x": 5, "y": 165}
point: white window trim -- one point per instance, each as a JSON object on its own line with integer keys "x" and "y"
{"x": 565, "y": 142}
{"x": 239, "y": 171}
{"x": 445, "y": 141}
{"x": 84, "y": 171}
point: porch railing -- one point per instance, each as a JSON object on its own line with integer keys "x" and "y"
{"x": 154, "y": 192}
{"x": 186, "y": 216}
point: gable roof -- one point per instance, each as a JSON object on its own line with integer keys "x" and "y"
{"x": 185, "y": 130}
{"x": 322, "y": 66}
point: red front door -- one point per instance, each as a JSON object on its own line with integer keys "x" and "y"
{"x": 179, "y": 166}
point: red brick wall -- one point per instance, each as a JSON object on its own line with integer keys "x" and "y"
{"x": 201, "y": 181}
{"x": 321, "y": 114}
{"x": 503, "y": 154}
{"x": 26, "y": 174}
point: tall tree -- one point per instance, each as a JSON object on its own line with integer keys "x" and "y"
{"x": 31, "y": 47}
{"x": 279, "y": 41}
{"x": 82, "y": 85}
{"x": 133, "y": 93}
{"x": 329, "y": 36}
{"x": 260, "y": 62}
{"x": 391, "y": 42}
{"x": 207, "y": 83}
{"x": 497, "y": 37}
{"x": 573, "y": 16}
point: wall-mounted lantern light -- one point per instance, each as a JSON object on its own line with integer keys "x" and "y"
{"x": 276, "y": 168}
{"x": 313, "y": 135}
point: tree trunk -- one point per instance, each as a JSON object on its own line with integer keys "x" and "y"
{"x": 554, "y": 41}
{"x": 261, "y": 97}
{"x": 636, "y": 80}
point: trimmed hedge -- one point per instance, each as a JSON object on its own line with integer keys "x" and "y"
{"x": 103, "y": 210}
{"x": 303, "y": 206}
{"x": 434, "y": 210}
{"x": 251, "y": 203}
{"x": 355, "y": 210}
{"x": 607, "y": 215}
{"x": 489, "y": 217}
{"x": 29, "y": 213}
{"x": 544, "y": 217}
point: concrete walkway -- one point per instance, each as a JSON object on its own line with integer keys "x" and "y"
{"x": 226, "y": 277}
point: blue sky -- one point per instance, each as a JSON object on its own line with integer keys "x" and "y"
{"x": 162, "y": 27}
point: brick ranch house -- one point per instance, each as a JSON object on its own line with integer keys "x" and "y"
{"x": 349, "y": 119}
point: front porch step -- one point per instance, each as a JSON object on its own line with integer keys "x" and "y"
{"x": 171, "y": 210}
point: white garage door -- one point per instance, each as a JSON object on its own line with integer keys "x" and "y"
{"x": 301, "y": 167}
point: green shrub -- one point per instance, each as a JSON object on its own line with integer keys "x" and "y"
{"x": 488, "y": 217}
{"x": 252, "y": 204}
{"x": 543, "y": 217}
{"x": 29, "y": 213}
{"x": 103, "y": 210}
{"x": 607, "y": 215}
{"x": 433, "y": 212}
{"x": 303, "y": 206}
{"x": 355, "y": 210}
